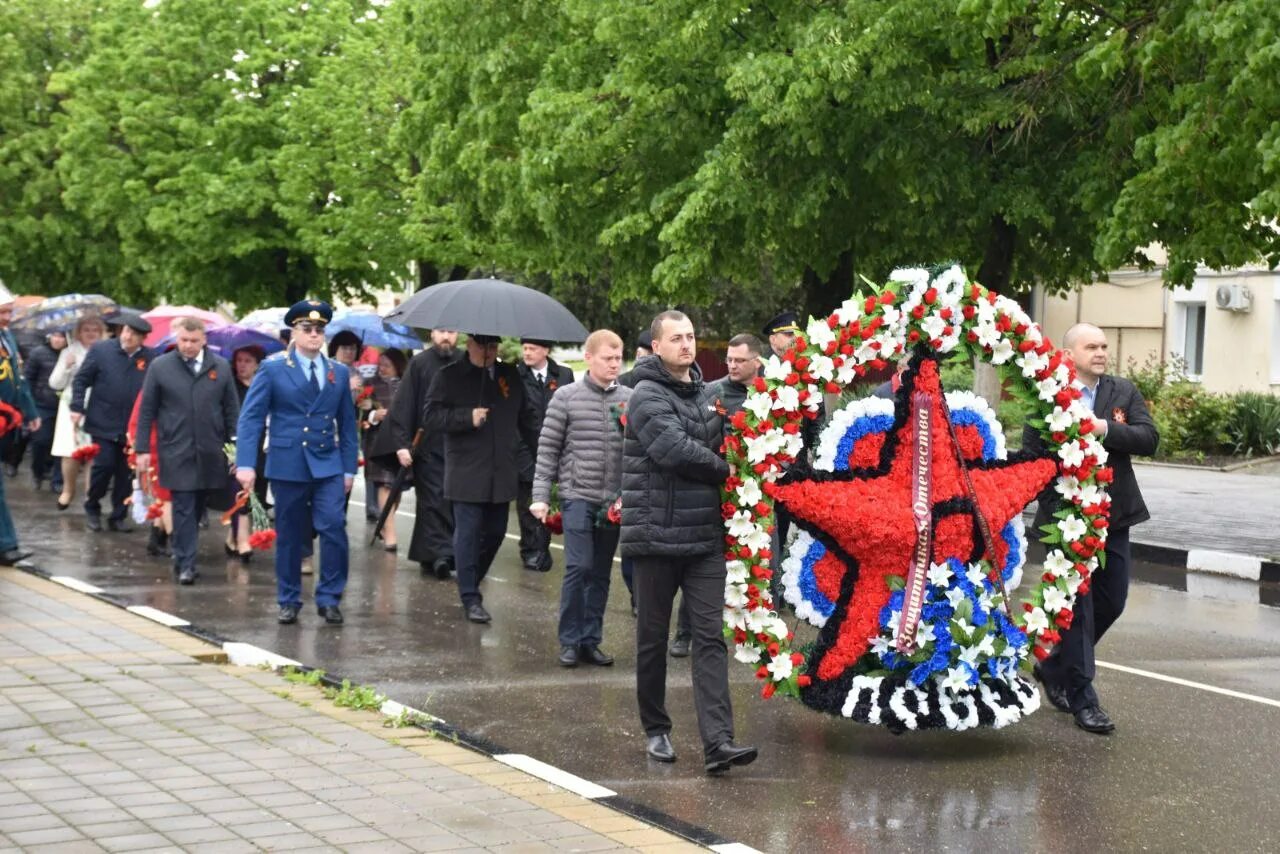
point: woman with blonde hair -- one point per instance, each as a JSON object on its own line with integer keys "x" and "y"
{"x": 87, "y": 332}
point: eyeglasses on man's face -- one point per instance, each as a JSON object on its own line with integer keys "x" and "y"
{"x": 309, "y": 328}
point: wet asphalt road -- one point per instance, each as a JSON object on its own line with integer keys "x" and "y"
{"x": 1187, "y": 770}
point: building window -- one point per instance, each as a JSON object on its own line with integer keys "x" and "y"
{"x": 1192, "y": 338}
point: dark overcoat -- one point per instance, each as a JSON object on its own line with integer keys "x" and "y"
{"x": 480, "y": 462}
{"x": 540, "y": 395}
{"x": 406, "y": 413}
{"x": 116, "y": 379}
{"x": 194, "y": 416}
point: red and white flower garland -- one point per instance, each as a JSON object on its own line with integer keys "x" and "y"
{"x": 950, "y": 315}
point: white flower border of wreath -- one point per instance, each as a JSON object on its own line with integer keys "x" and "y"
{"x": 949, "y": 314}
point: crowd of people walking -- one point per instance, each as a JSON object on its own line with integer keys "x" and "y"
{"x": 607, "y": 458}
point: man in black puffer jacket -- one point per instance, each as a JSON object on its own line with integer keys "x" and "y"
{"x": 672, "y": 528}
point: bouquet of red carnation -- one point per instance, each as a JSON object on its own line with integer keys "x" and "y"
{"x": 554, "y": 519}
{"x": 10, "y": 419}
{"x": 618, "y": 415}
{"x": 86, "y": 449}
{"x": 612, "y": 514}
{"x": 262, "y": 535}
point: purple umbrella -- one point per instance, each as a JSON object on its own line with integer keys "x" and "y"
{"x": 225, "y": 340}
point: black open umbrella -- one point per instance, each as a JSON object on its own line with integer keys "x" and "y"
{"x": 490, "y": 307}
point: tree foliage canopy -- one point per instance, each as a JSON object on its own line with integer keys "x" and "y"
{"x": 701, "y": 152}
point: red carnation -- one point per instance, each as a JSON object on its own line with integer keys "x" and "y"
{"x": 804, "y": 680}
{"x": 769, "y": 690}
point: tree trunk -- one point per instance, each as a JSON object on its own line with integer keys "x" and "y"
{"x": 822, "y": 295}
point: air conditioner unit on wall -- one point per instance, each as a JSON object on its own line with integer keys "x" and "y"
{"x": 1234, "y": 298}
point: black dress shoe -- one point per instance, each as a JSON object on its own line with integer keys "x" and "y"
{"x": 681, "y": 646}
{"x": 568, "y": 656}
{"x": 442, "y": 568}
{"x": 721, "y": 758}
{"x": 157, "y": 541}
{"x": 331, "y": 614}
{"x": 594, "y": 655}
{"x": 1055, "y": 694}
{"x": 120, "y": 526}
{"x": 1093, "y": 719}
{"x": 93, "y": 523}
{"x": 476, "y": 613}
{"x": 539, "y": 564}
{"x": 659, "y": 747}
{"x": 61, "y": 506}
{"x": 188, "y": 576}
{"x": 10, "y": 557}
{"x": 288, "y": 614}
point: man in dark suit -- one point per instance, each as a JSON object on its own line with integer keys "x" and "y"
{"x": 1124, "y": 426}
{"x": 189, "y": 397}
{"x": 542, "y": 375}
{"x": 432, "y": 542}
{"x": 111, "y": 376}
{"x": 311, "y": 458}
{"x": 481, "y": 408}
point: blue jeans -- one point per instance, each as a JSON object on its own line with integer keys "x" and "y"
{"x": 478, "y": 529}
{"x": 588, "y": 563}
{"x": 304, "y": 507}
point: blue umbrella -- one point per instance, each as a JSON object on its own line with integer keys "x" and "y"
{"x": 373, "y": 330}
{"x": 225, "y": 340}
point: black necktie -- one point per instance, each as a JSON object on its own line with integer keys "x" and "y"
{"x": 191, "y": 365}
{"x": 315, "y": 380}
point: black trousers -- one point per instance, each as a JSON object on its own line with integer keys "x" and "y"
{"x": 701, "y": 579}
{"x": 1072, "y": 664}
{"x": 433, "y": 515}
{"x": 44, "y": 466}
{"x": 187, "y": 509}
{"x": 478, "y": 529}
{"x": 110, "y": 472}
{"x": 535, "y": 538}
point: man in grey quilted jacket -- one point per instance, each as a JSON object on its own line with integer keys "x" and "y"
{"x": 580, "y": 448}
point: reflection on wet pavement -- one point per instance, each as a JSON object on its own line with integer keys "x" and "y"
{"x": 1186, "y": 770}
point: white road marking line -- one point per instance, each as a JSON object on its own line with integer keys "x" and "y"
{"x": 554, "y": 775}
{"x": 1187, "y": 683}
{"x": 158, "y": 616}
{"x": 734, "y": 848}
{"x": 248, "y": 655}
{"x": 76, "y": 584}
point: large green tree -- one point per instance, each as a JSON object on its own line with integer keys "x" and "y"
{"x": 238, "y": 152}
{"x": 44, "y": 248}
{"x": 677, "y": 147}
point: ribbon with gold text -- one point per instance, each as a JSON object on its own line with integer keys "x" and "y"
{"x": 922, "y": 513}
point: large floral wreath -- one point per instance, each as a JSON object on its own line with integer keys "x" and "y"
{"x": 960, "y": 668}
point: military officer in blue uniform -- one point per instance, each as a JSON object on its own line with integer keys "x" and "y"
{"x": 311, "y": 457}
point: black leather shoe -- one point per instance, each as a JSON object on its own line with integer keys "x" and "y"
{"x": 594, "y": 655}
{"x": 10, "y": 557}
{"x": 539, "y": 565}
{"x": 1055, "y": 694}
{"x": 442, "y": 568}
{"x": 568, "y": 656}
{"x": 188, "y": 576}
{"x": 1093, "y": 719}
{"x": 659, "y": 747}
{"x": 476, "y": 613}
{"x": 728, "y": 754}
{"x": 681, "y": 646}
{"x": 120, "y": 526}
{"x": 288, "y": 615}
{"x": 93, "y": 523}
{"x": 157, "y": 542}
{"x": 331, "y": 614}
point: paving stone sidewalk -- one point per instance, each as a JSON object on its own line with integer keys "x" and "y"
{"x": 117, "y": 734}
